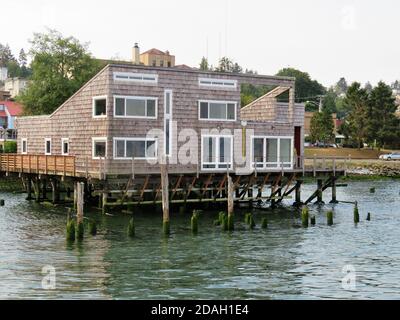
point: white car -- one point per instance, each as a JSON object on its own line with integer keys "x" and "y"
{"x": 390, "y": 156}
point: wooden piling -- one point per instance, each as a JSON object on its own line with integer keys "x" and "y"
{"x": 319, "y": 191}
{"x": 334, "y": 199}
{"x": 79, "y": 211}
{"x": 37, "y": 190}
{"x": 44, "y": 189}
{"x": 298, "y": 193}
{"x": 104, "y": 197}
{"x": 165, "y": 197}
{"x": 29, "y": 189}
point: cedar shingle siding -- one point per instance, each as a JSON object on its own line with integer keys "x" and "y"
{"x": 74, "y": 118}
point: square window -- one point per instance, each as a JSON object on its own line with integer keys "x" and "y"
{"x": 135, "y": 107}
{"x": 99, "y": 149}
{"x": 100, "y": 107}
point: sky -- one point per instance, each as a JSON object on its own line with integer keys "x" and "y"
{"x": 355, "y": 39}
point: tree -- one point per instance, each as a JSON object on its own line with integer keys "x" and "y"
{"x": 225, "y": 65}
{"x": 22, "y": 58}
{"x": 60, "y": 66}
{"x": 321, "y": 127}
{"x": 306, "y": 88}
{"x": 368, "y": 87}
{"x": 6, "y": 55}
{"x": 204, "y": 64}
{"x": 395, "y": 85}
{"x": 329, "y": 101}
{"x": 341, "y": 86}
{"x": 356, "y": 101}
{"x": 383, "y": 125}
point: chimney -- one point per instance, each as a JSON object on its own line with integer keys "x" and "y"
{"x": 136, "y": 54}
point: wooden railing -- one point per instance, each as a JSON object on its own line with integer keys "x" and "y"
{"x": 41, "y": 164}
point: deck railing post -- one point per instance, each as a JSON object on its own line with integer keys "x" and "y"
{"x": 133, "y": 168}
{"x": 334, "y": 167}
{"x": 315, "y": 165}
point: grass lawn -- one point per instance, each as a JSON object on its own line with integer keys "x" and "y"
{"x": 344, "y": 152}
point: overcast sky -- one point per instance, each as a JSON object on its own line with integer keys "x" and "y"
{"x": 357, "y": 39}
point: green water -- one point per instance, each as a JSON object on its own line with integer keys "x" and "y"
{"x": 286, "y": 261}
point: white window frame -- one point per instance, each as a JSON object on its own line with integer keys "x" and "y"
{"x": 142, "y": 78}
{"x": 63, "y": 140}
{"x": 45, "y": 146}
{"x": 125, "y": 139}
{"x": 217, "y": 154}
{"x": 22, "y": 146}
{"x": 220, "y": 102}
{"x": 98, "y": 139}
{"x": 168, "y": 117}
{"x": 94, "y": 99}
{"x": 279, "y": 165}
{"x": 222, "y": 84}
{"x": 135, "y": 98}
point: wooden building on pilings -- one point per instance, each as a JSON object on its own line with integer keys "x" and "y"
{"x": 128, "y": 122}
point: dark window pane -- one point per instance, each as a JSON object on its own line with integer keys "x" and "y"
{"x": 151, "y": 108}
{"x": 100, "y": 149}
{"x": 120, "y": 107}
{"x": 151, "y": 149}
{"x": 136, "y": 149}
{"x": 65, "y": 147}
{"x": 100, "y": 107}
{"x": 167, "y": 137}
{"x": 258, "y": 150}
{"x": 231, "y": 111}
{"x": 120, "y": 148}
{"x": 203, "y": 110}
{"x": 48, "y": 146}
{"x": 218, "y": 111}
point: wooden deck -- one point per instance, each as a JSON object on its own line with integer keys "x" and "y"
{"x": 38, "y": 164}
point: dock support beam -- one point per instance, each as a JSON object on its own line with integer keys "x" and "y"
{"x": 319, "y": 192}
{"x": 80, "y": 201}
{"x": 44, "y": 189}
{"x": 334, "y": 200}
{"x": 165, "y": 198}
{"x": 37, "y": 190}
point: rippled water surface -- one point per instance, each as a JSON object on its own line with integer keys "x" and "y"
{"x": 285, "y": 261}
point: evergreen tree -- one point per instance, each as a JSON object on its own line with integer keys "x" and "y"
{"x": 204, "y": 64}
{"x": 383, "y": 125}
{"x": 356, "y": 101}
{"x": 322, "y": 127}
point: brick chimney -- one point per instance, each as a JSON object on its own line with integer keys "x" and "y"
{"x": 136, "y": 54}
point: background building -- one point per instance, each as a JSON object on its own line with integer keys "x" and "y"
{"x": 15, "y": 86}
{"x": 3, "y": 73}
{"x": 153, "y": 57}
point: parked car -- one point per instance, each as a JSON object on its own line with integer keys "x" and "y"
{"x": 390, "y": 156}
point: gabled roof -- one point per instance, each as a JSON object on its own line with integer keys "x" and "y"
{"x": 154, "y": 51}
{"x": 13, "y": 108}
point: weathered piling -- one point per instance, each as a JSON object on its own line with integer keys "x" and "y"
{"x": 304, "y": 216}
{"x": 131, "y": 228}
{"x": 70, "y": 230}
{"x": 329, "y": 217}
{"x": 298, "y": 193}
{"x": 224, "y": 222}
{"x": 165, "y": 198}
{"x": 264, "y": 223}
{"x": 356, "y": 214}
{"x": 313, "y": 220}
{"x": 92, "y": 226}
{"x": 2, "y": 202}
{"x": 372, "y": 190}
{"x": 252, "y": 223}
{"x": 29, "y": 188}
{"x": 334, "y": 199}
{"x": 194, "y": 221}
{"x": 79, "y": 210}
{"x": 319, "y": 191}
{"x": 369, "y": 216}
{"x": 231, "y": 192}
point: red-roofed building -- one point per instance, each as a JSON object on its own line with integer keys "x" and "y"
{"x": 9, "y": 110}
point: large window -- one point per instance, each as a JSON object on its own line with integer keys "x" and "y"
{"x": 100, "y": 107}
{"x": 143, "y": 78}
{"x": 218, "y": 83}
{"x": 217, "y": 110}
{"x": 272, "y": 152}
{"x": 135, "y": 107}
{"x": 99, "y": 148}
{"x": 47, "y": 146}
{"x": 216, "y": 152}
{"x": 135, "y": 148}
